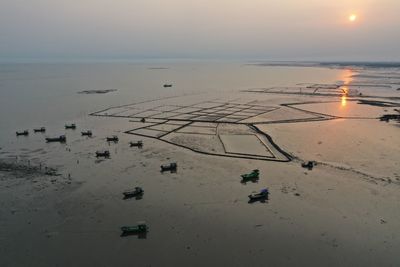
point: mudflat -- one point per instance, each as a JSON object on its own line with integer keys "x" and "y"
{"x": 60, "y": 205}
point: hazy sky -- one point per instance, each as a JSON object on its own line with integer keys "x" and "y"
{"x": 254, "y": 29}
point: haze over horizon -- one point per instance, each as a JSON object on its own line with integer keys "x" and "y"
{"x": 208, "y": 29}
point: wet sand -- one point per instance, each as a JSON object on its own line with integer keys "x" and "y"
{"x": 344, "y": 212}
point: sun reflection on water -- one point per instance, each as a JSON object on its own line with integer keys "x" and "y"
{"x": 347, "y": 78}
{"x": 344, "y": 100}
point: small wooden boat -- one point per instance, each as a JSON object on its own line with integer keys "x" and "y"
{"x": 251, "y": 176}
{"x": 141, "y": 227}
{"x": 61, "y": 139}
{"x": 39, "y": 130}
{"x": 167, "y": 85}
{"x": 25, "y": 133}
{"x": 104, "y": 154}
{"x": 137, "y": 144}
{"x": 309, "y": 165}
{"x": 138, "y": 191}
{"x": 259, "y": 196}
{"x": 143, "y": 120}
{"x": 113, "y": 138}
{"x": 70, "y": 126}
{"x": 170, "y": 167}
{"x": 87, "y": 133}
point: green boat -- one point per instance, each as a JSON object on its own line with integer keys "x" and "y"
{"x": 141, "y": 227}
{"x": 250, "y": 176}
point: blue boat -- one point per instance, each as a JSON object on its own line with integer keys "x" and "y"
{"x": 263, "y": 194}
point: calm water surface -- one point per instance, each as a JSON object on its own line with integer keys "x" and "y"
{"x": 32, "y": 95}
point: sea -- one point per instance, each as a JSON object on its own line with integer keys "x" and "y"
{"x": 47, "y": 94}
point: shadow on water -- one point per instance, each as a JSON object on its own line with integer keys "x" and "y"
{"x": 261, "y": 200}
{"x": 170, "y": 171}
{"x": 142, "y": 235}
{"x": 137, "y": 197}
{"x": 97, "y": 161}
{"x": 253, "y": 180}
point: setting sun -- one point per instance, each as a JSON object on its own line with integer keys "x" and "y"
{"x": 352, "y": 18}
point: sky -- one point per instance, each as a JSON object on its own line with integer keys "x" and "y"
{"x": 202, "y": 29}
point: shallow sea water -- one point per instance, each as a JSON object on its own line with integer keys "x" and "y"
{"x": 198, "y": 216}
{"x": 32, "y": 95}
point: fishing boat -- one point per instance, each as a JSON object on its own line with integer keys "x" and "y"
{"x": 138, "y": 191}
{"x": 113, "y": 138}
{"x": 259, "y": 196}
{"x": 61, "y": 139}
{"x": 251, "y": 176}
{"x": 87, "y": 133}
{"x": 39, "y": 130}
{"x": 170, "y": 167}
{"x": 26, "y": 132}
{"x": 137, "y": 144}
{"x": 104, "y": 154}
{"x": 143, "y": 120}
{"x": 309, "y": 165}
{"x": 141, "y": 227}
{"x": 70, "y": 126}
{"x": 167, "y": 85}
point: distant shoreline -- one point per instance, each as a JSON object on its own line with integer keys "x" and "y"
{"x": 245, "y": 61}
{"x": 333, "y": 64}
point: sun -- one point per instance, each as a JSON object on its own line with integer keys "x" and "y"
{"x": 352, "y": 17}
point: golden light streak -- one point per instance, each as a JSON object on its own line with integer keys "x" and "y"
{"x": 344, "y": 100}
{"x": 347, "y": 79}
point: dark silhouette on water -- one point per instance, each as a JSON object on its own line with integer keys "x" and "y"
{"x": 254, "y": 176}
{"x": 138, "y": 144}
{"x": 140, "y": 229}
{"x": 309, "y": 165}
{"x": 71, "y": 126}
{"x": 113, "y": 138}
{"x": 87, "y": 133}
{"x": 172, "y": 167}
{"x": 61, "y": 139}
{"x": 262, "y": 196}
{"x": 136, "y": 193}
{"x": 39, "y": 130}
{"x": 104, "y": 154}
{"x": 24, "y": 133}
